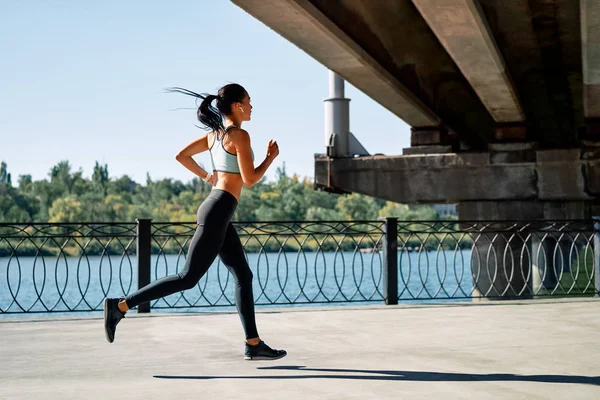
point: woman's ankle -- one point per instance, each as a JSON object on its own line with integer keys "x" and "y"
{"x": 123, "y": 306}
{"x": 253, "y": 341}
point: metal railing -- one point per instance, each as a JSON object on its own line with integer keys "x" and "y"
{"x": 292, "y": 263}
{"x": 53, "y": 267}
{"x": 72, "y": 266}
{"x": 497, "y": 259}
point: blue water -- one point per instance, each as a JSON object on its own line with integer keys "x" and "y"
{"x": 61, "y": 284}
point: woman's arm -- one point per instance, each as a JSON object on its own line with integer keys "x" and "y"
{"x": 185, "y": 156}
{"x": 251, "y": 175}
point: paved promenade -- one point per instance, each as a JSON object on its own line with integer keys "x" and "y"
{"x": 508, "y": 350}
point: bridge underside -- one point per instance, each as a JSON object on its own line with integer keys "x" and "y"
{"x": 503, "y": 97}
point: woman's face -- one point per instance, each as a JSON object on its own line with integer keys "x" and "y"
{"x": 245, "y": 108}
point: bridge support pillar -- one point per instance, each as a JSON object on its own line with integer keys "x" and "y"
{"x": 511, "y": 263}
{"x": 552, "y": 255}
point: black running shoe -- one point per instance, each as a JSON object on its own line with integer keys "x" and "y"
{"x": 263, "y": 352}
{"x": 112, "y": 316}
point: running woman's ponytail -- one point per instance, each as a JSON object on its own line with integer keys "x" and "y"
{"x": 210, "y": 116}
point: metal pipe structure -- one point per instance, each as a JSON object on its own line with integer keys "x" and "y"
{"x": 337, "y": 118}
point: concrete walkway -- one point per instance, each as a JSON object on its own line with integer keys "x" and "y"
{"x": 508, "y": 350}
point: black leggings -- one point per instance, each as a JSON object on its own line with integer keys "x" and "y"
{"x": 214, "y": 236}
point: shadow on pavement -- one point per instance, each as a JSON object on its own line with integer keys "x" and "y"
{"x": 423, "y": 376}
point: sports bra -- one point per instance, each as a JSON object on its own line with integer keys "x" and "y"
{"x": 221, "y": 159}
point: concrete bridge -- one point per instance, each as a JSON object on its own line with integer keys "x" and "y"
{"x": 503, "y": 98}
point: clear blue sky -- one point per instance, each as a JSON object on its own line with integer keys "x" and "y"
{"x": 83, "y": 81}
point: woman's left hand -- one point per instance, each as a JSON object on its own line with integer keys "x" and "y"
{"x": 213, "y": 179}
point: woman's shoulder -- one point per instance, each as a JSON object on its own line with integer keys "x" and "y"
{"x": 210, "y": 138}
{"x": 239, "y": 134}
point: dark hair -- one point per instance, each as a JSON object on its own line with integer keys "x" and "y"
{"x": 210, "y": 116}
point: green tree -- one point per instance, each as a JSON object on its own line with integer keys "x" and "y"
{"x": 117, "y": 210}
{"x": 67, "y": 209}
{"x": 45, "y": 196}
{"x": 15, "y": 214}
{"x": 197, "y": 185}
{"x": 25, "y": 183}
{"x": 394, "y": 210}
{"x": 61, "y": 179}
{"x": 318, "y": 198}
{"x": 100, "y": 178}
{"x": 250, "y": 201}
{"x": 182, "y": 208}
{"x": 122, "y": 185}
{"x": 285, "y": 200}
{"x": 323, "y": 214}
{"x": 93, "y": 206}
{"x": 5, "y": 178}
{"x": 357, "y": 207}
{"x": 80, "y": 185}
{"x": 406, "y": 212}
{"x": 14, "y": 205}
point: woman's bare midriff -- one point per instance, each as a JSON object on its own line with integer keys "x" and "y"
{"x": 231, "y": 183}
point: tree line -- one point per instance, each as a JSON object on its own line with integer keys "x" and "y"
{"x": 67, "y": 196}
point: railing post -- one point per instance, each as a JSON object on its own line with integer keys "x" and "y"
{"x": 597, "y": 254}
{"x": 143, "y": 246}
{"x": 390, "y": 257}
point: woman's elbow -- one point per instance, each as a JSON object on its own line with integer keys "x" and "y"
{"x": 248, "y": 181}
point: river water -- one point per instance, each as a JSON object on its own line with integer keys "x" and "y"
{"x": 280, "y": 279}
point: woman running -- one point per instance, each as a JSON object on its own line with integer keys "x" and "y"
{"x": 232, "y": 161}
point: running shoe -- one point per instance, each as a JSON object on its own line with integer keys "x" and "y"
{"x": 262, "y": 352}
{"x": 112, "y": 316}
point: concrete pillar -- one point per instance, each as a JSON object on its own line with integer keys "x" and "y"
{"x": 500, "y": 265}
{"x": 501, "y": 256}
{"x": 552, "y": 256}
{"x": 508, "y": 261}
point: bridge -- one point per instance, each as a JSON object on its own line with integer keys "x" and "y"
{"x": 503, "y": 99}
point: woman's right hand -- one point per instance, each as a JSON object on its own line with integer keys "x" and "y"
{"x": 272, "y": 149}
{"x": 213, "y": 179}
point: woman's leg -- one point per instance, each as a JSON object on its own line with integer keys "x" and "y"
{"x": 232, "y": 255}
{"x": 213, "y": 217}
{"x": 203, "y": 250}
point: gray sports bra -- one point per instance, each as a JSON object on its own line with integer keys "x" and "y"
{"x": 221, "y": 159}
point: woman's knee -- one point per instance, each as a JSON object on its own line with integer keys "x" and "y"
{"x": 246, "y": 275}
{"x": 188, "y": 280}
{"x": 242, "y": 274}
